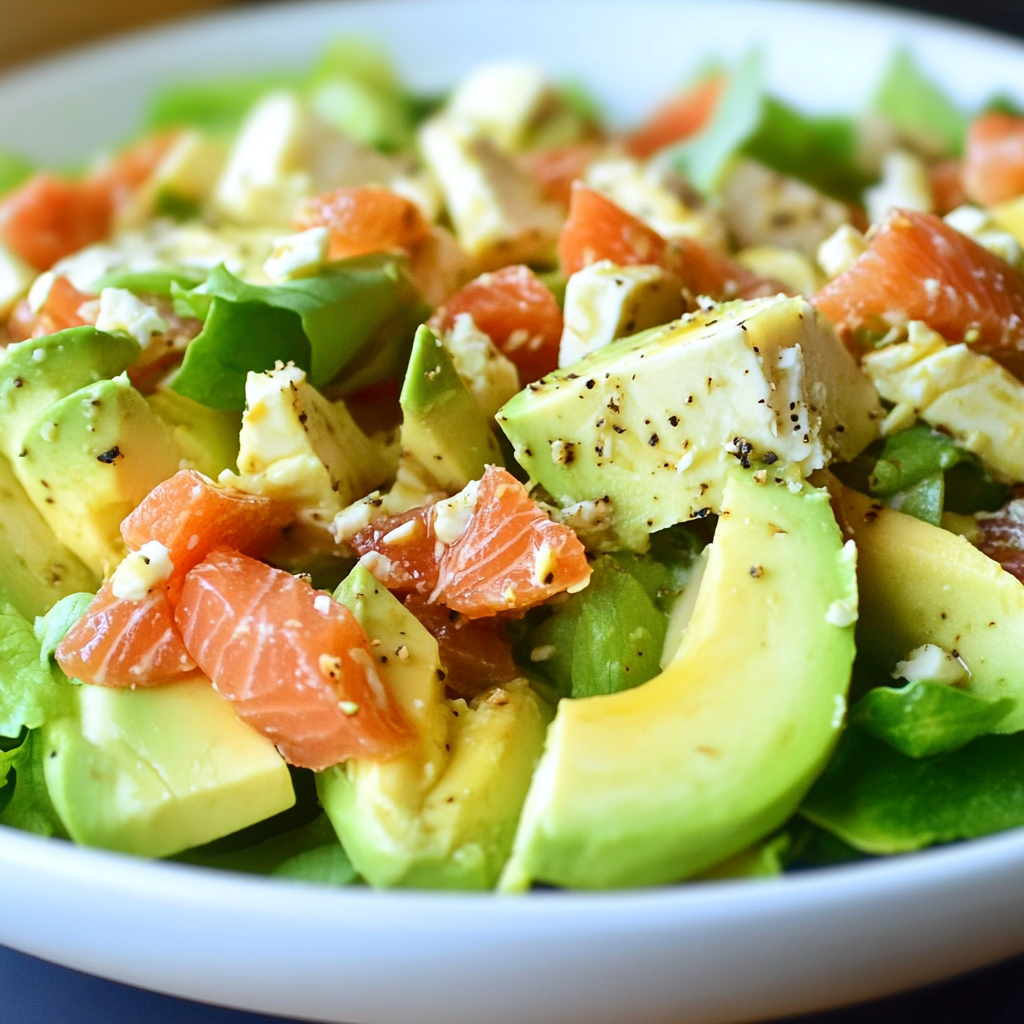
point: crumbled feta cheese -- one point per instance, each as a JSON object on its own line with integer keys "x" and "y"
{"x": 841, "y": 613}
{"x": 452, "y": 516}
{"x": 604, "y": 302}
{"x": 501, "y": 101}
{"x": 120, "y": 310}
{"x": 979, "y": 225}
{"x": 142, "y": 571}
{"x": 40, "y": 291}
{"x": 905, "y": 183}
{"x": 492, "y": 378}
{"x": 957, "y": 389}
{"x": 298, "y": 255}
{"x": 932, "y": 663}
{"x": 763, "y": 207}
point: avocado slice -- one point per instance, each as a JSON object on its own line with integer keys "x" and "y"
{"x": 207, "y": 438}
{"x": 921, "y": 584}
{"x": 442, "y": 816}
{"x": 157, "y": 771}
{"x": 442, "y": 428}
{"x": 652, "y": 423}
{"x": 658, "y": 783}
{"x": 36, "y": 570}
{"x": 36, "y": 373}
{"x": 89, "y": 460}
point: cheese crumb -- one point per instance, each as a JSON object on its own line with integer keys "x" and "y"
{"x": 299, "y": 255}
{"x": 121, "y": 311}
{"x": 452, "y": 516}
{"x": 142, "y": 571}
{"x": 933, "y": 663}
{"x": 841, "y": 613}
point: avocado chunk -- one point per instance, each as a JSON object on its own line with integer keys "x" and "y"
{"x": 157, "y": 771}
{"x": 36, "y": 570}
{"x": 442, "y": 429}
{"x": 442, "y": 816}
{"x": 207, "y": 438}
{"x": 36, "y": 373}
{"x": 920, "y": 584}
{"x": 652, "y": 423}
{"x": 660, "y": 782}
{"x": 89, "y": 460}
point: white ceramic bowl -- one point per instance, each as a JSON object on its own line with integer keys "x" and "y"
{"x": 701, "y": 953}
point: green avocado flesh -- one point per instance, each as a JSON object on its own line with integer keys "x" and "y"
{"x": 442, "y": 428}
{"x": 653, "y": 423}
{"x": 89, "y": 459}
{"x": 920, "y": 585}
{"x": 36, "y": 373}
{"x": 36, "y": 570}
{"x": 658, "y": 783}
{"x": 443, "y": 815}
{"x": 157, "y": 771}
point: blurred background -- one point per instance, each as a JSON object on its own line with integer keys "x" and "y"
{"x": 34, "y": 27}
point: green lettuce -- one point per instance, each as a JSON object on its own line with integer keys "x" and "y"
{"x": 25, "y": 802}
{"x": 925, "y": 718}
{"x": 357, "y": 316}
{"x": 822, "y": 151}
{"x": 13, "y": 171}
{"x": 880, "y": 801}
{"x": 607, "y": 638}
{"x": 916, "y": 106}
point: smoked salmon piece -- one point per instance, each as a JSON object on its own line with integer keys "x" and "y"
{"x": 190, "y": 515}
{"x": 509, "y": 556}
{"x": 295, "y": 663}
{"x": 517, "y": 312}
{"x": 919, "y": 268}
{"x": 598, "y": 229}
{"x": 363, "y": 220}
{"x": 402, "y": 550}
{"x": 125, "y": 643}
{"x": 677, "y": 119}
{"x": 994, "y": 165}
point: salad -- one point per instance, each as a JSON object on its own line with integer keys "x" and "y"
{"x": 459, "y": 492}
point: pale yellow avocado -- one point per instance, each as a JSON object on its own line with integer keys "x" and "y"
{"x": 660, "y": 782}
{"x": 443, "y": 815}
{"x": 157, "y": 771}
{"x": 920, "y": 584}
{"x": 653, "y": 423}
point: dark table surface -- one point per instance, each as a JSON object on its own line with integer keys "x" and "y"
{"x": 35, "y": 992}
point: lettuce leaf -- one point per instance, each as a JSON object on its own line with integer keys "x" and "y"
{"x": 917, "y": 107}
{"x": 925, "y": 718}
{"x": 24, "y": 800}
{"x": 31, "y": 691}
{"x": 823, "y": 151}
{"x": 607, "y": 638}
{"x": 216, "y": 106}
{"x": 13, "y": 171}
{"x": 358, "y": 316}
{"x": 880, "y": 801}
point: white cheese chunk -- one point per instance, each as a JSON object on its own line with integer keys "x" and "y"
{"x": 298, "y": 255}
{"x": 792, "y": 268}
{"x": 492, "y": 378}
{"x": 957, "y": 389}
{"x": 298, "y": 447}
{"x": 905, "y": 183}
{"x": 841, "y": 250}
{"x": 980, "y": 225}
{"x": 498, "y": 213}
{"x": 646, "y": 191}
{"x": 604, "y": 301}
{"x": 763, "y": 207}
{"x": 931, "y": 662}
{"x": 120, "y": 310}
{"x": 502, "y": 101}
{"x": 140, "y": 572}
